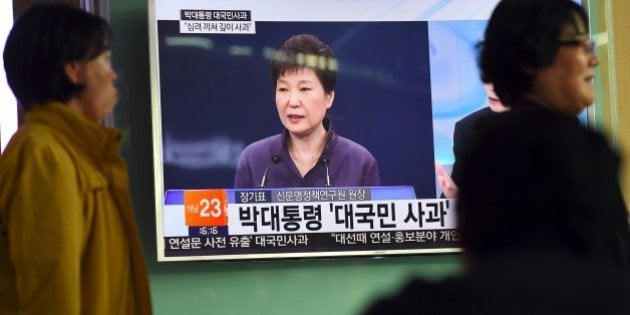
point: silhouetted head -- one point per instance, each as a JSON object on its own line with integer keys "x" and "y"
{"x": 528, "y": 49}
{"x": 42, "y": 42}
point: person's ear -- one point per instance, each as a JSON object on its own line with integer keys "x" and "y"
{"x": 74, "y": 71}
{"x": 330, "y": 97}
{"x": 527, "y": 69}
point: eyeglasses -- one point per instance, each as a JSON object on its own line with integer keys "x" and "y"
{"x": 588, "y": 43}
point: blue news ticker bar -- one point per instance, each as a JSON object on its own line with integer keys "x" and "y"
{"x": 176, "y": 197}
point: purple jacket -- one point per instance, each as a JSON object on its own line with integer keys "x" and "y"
{"x": 349, "y": 164}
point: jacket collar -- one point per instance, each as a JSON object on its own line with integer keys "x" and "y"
{"x": 101, "y": 142}
{"x": 331, "y": 137}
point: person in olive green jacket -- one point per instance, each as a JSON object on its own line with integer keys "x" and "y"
{"x": 68, "y": 239}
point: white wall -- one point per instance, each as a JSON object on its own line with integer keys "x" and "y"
{"x": 8, "y": 105}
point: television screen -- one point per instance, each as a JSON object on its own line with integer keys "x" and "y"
{"x": 406, "y": 72}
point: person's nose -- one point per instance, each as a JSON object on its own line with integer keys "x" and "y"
{"x": 294, "y": 100}
{"x": 114, "y": 75}
{"x": 593, "y": 60}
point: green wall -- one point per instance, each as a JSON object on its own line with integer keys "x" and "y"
{"x": 322, "y": 286}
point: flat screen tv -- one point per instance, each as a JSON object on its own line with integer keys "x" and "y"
{"x": 406, "y": 72}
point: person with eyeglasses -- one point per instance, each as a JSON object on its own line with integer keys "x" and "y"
{"x": 541, "y": 219}
{"x": 552, "y": 65}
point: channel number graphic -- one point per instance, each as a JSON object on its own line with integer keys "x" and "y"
{"x": 206, "y": 207}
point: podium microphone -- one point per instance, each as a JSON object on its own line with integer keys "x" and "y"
{"x": 325, "y": 161}
{"x": 274, "y": 160}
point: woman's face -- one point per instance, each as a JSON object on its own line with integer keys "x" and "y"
{"x": 98, "y": 98}
{"x": 567, "y": 85}
{"x": 302, "y": 102}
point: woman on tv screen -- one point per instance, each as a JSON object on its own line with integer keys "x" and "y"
{"x": 308, "y": 153}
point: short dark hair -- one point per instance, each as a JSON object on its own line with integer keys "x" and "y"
{"x": 305, "y": 51}
{"x": 42, "y": 41}
{"x": 522, "y": 37}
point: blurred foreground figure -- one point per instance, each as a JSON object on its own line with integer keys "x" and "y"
{"x": 68, "y": 239}
{"x": 543, "y": 224}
